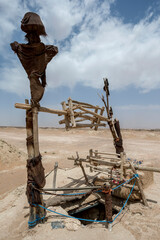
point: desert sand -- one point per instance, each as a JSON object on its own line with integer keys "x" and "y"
{"x": 136, "y": 221}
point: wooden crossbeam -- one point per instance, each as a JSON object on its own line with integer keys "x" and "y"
{"x": 40, "y": 109}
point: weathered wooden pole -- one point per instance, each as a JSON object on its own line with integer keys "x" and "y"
{"x": 30, "y": 151}
{"x": 35, "y": 170}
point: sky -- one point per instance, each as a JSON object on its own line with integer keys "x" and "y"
{"x": 117, "y": 39}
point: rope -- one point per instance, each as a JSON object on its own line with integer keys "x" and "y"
{"x": 90, "y": 220}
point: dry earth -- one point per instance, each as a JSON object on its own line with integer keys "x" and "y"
{"x": 137, "y": 222}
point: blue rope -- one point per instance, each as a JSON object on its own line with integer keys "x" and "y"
{"x": 134, "y": 176}
{"x": 89, "y": 220}
{"x": 33, "y": 223}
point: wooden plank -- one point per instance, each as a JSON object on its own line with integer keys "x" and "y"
{"x": 139, "y": 186}
{"x": 40, "y": 109}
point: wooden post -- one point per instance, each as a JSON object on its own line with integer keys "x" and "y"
{"x": 90, "y": 155}
{"x": 35, "y": 131}
{"x": 30, "y": 151}
{"x": 71, "y": 112}
{"x": 65, "y": 117}
{"x": 140, "y": 186}
{"x": 55, "y": 174}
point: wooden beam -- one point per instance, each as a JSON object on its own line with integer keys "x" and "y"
{"x": 86, "y": 104}
{"x": 139, "y": 168}
{"x": 89, "y": 125}
{"x": 40, "y": 109}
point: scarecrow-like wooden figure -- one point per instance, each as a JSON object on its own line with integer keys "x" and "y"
{"x": 34, "y": 57}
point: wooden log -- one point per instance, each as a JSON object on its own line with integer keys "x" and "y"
{"x": 80, "y": 114}
{"x": 108, "y": 153}
{"x": 139, "y": 185}
{"x": 40, "y": 109}
{"x": 94, "y": 114}
{"x": 87, "y": 117}
{"x": 90, "y": 155}
{"x": 66, "y": 118}
{"x": 71, "y": 112}
{"x": 99, "y": 120}
{"x": 90, "y": 125}
{"x": 111, "y": 158}
{"x": 86, "y": 104}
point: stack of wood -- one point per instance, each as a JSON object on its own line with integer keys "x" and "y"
{"x": 78, "y": 112}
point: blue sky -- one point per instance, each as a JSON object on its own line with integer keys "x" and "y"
{"x": 118, "y": 39}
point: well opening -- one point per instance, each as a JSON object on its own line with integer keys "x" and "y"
{"x": 93, "y": 212}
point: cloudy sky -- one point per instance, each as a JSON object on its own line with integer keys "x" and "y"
{"x": 117, "y": 39}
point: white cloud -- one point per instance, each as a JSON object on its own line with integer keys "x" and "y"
{"x": 92, "y": 44}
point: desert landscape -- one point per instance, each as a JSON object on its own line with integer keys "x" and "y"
{"x": 56, "y": 145}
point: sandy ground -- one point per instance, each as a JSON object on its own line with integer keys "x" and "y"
{"x": 137, "y": 222}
